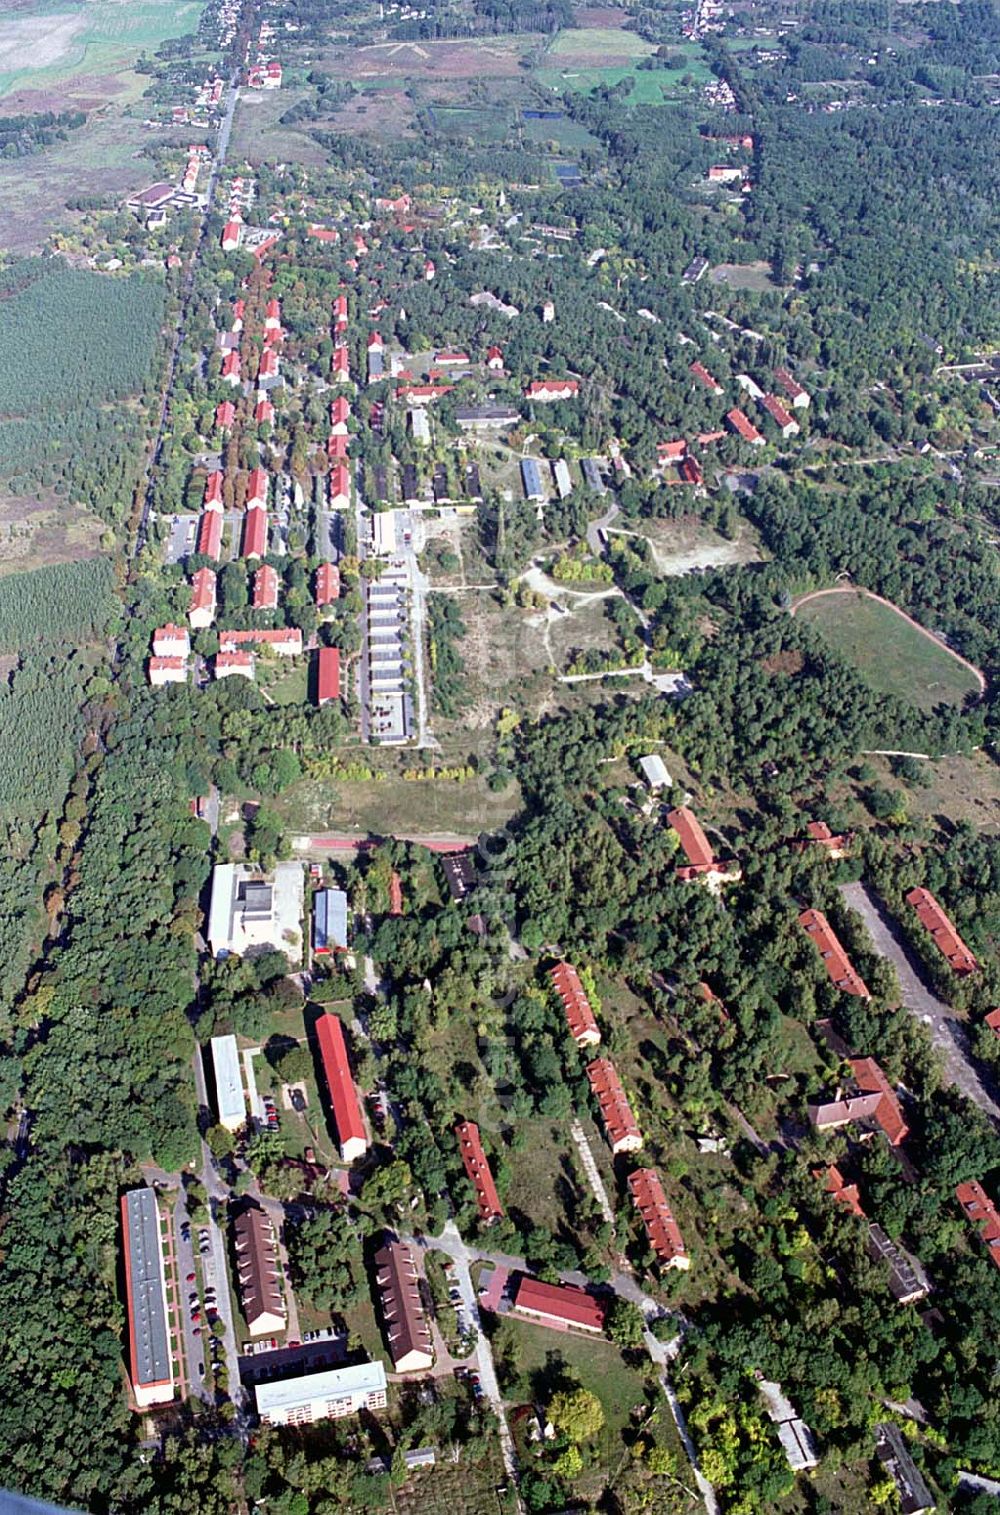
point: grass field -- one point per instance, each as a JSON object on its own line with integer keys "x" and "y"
{"x": 590, "y": 57}
{"x": 34, "y": 533}
{"x": 482, "y": 124}
{"x": 396, "y": 805}
{"x": 69, "y": 47}
{"x": 570, "y": 136}
{"x": 547, "y": 1357}
{"x": 893, "y": 655}
{"x": 259, "y": 136}
{"x": 547, "y": 1178}
{"x": 603, "y": 46}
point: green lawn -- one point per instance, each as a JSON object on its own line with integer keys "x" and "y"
{"x": 598, "y": 43}
{"x": 396, "y": 805}
{"x": 42, "y": 45}
{"x": 546, "y": 1358}
{"x": 892, "y": 655}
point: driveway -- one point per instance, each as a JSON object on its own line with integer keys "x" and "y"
{"x": 948, "y": 1033}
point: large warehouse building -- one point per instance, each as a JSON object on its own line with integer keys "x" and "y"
{"x": 322, "y": 1396}
{"x": 150, "y": 1358}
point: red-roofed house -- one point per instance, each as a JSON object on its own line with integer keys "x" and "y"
{"x": 395, "y": 894}
{"x": 209, "y": 542}
{"x": 663, "y": 1231}
{"x": 696, "y": 846}
{"x": 429, "y": 270}
{"x": 286, "y": 640}
{"x": 422, "y": 394}
{"x": 239, "y": 311}
{"x": 344, "y": 1102}
{"x": 838, "y": 964}
{"x": 340, "y": 308}
{"x": 786, "y": 424}
{"x": 981, "y": 1210}
{"x": 340, "y": 413}
{"x": 340, "y": 365}
{"x": 328, "y": 675}
{"x": 202, "y": 609}
{"x": 226, "y": 664}
{"x": 264, "y": 412}
{"x": 257, "y": 489}
{"x": 272, "y": 317}
{"x": 818, "y": 834}
{"x": 231, "y": 235}
{"x": 993, "y": 1021}
{"x": 327, "y": 586}
{"x": 791, "y": 389}
{"x": 265, "y": 588}
{"x": 231, "y": 368}
{"x": 336, "y": 447}
{"x": 213, "y": 491}
{"x": 268, "y": 364}
{"x": 340, "y": 487}
{"x": 254, "y": 533}
{"x": 225, "y": 415}
{"x": 670, "y": 452}
{"x": 943, "y": 933}
{"x": 547, "y": 390}
{"x": 323, "y": 233}
{"x": 843, "y": 1194}
{"x": 743, "y": 427}
{"x": 494, "y": 359}
{"x": 451, "y": 359}
{"x": 561, "y": 1306}
{"x": 166, "y": 670}
{"x": 875, "y": 1099}
{"x": 478, "y": 1169}
{"x": 580, "y": 1017}
{"x": 375, "y": 342}
{"x": 620, "y": 1125}
{"x": 703, "y": 376}
{"x": 171, "y": 641}
{"x": 689, "y": 471}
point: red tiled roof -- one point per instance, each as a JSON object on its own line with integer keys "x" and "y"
{"x": 340, "y": 481}
{"x": 339, "y": 1082}
{"x": 695, "y": 843}
{"x": 228, "y": 662}
{"x": 838, "y": 964}
{"x": 993, "y": 1020}
{"x": 478, "y": 1169}
{"x": 670, "y": 451}
{"x": 283, "y": 636}
{"x": 579, "y": 1016}
{"x": 843, "y": 1194}
{"x": 690, "y": 471}
{"x": 981, "y": 1210}
{"x": 779, "y": 415}
{"x": 562, "y": 1303}
{"x": 268, "y": 364}
{"x": 785, "y": 382}
{"x": 871, "y": 1080}
{"x": 661, "y": 1228}
{"x": 203, "y": 590}
{"x": 336, "y": 447}
{"x": 231, "y": 365}
{"x": 707, "y": 437}
{"x": 225, "y": 414}
{"x": 702, "y": 374}
{"x": 254, "y": 532}
{"x": 340, "y": 411}
{"x": 539, "y": 388}
{"x": 946, "y": 938}
{"x": 620, "y": 1124}
{"x": 263, "y": 412}
{"x": 257, "y": 487}
{"x": 341, "y": 362}
{"x": 423, "y": 391}
{"x": 742, "y": 426}
{"x": 327, "y": 584}
{"x": 395, "y": 894}
{"x": 213, "y": 489}
{"x": 273, "y": 311}
{"x": 340, "y": 305}
{"x": 210, "y": 534}
{"x": 328, "y": 675}
{"x": 265, "y": 588}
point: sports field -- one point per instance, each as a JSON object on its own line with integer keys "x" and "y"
{"x": 890, "y": 651}
{"x": 45, "y": 46}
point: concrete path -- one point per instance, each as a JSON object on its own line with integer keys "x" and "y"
{"x": 948, "y": 1033}
{"x": 593, "y": 1174}
{"x": 601, "y": 524}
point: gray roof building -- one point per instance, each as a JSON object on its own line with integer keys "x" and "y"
{"x": 145, "y": 1281}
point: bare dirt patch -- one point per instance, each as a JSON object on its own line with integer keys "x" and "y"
{"x": 791, "y": 662}
{"x": 752, "y": 276}
{"x": 598, "y": 17}
{"x": 36, "y": 533}
{"x": 684, "y": 544}
{"x": 385, "y": 114}
{"x": 499, "y": 57}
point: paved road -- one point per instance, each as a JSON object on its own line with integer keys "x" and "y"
{"x": 949, "y": 1035}
{"x": 194, "y": 1346}
{"x": 601, "y": 524}
{"x": 214, "y": 1264}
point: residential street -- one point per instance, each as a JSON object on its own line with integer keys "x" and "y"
{"x": 949, "y": 1035}
{"x": 215, "y": 1268}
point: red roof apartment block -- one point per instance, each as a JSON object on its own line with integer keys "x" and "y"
{"x": 213, "y": 491}
{"x": 327, "y": 588}
{"x": 580, "y": 1017}
{"x": 703, "y": 376}
{"x": 946, "y": 938}
{"x": 743, "y": 427}
{"x": 791, "y": 389}
{"x": 257, "y": 488}
{"x": 695, "y": 843}
{"x": 225, "y": 415}
{"x": 786, "y": 424}
{"x": 838, "y": 964}
{"x": 553, "y": 389}
{"x": 328, "y": 675}
{"x": 202, "y": 609}
{"x": 231, "y": 368}
{"x": 561, "y": 1306}
{"x": 255, "y": 532}
{"x": 981, "y": 1210}
{"x": 408, "y": 1333}
{"x": 478, "y": 1169}
{"x": 268, "y": 364}
{"x": 209, "y": 542}
{"x": 875, "y": 1100}
{"x": 286, "y": 639}
{"x": 843, "y": 1194}
{"x": 620, "y": 1125}
{"x": 265, "y": 588}
{"x": 661, "y": 1228}
{"x": 344, "y": 1100}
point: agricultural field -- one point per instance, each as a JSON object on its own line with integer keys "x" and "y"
{"x": 83, "y": 53}
{"x": 891, "y": 652}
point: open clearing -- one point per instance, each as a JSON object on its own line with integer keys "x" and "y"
{"x": 36, "y": 533}
{"x": 396, "y": 805}
{"x": 752, "y": 276}
{"x": 604, "y": 47}
{"x": 386, "y": 116}
{"x": 889, "y": 650}
{"x": 258, "y": 135}
{"x": 72, "y": 48}
{"x": 682, "y": 545}
{"x": 960, "y": 789}
{"x": 496, "y": 56}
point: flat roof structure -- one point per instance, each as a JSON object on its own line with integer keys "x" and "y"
{"x": 915, "y": 1498}
{"x": 228, "y": 1082}
{"x": 322, "y": 1396}
{"x": 259, "y": 1271}
{"x": 793, "y": 1433}
{"x": 620, "y": 1125}
{"x": 562, "y": 1306}
{"x": 838, "y": 965}
{"x": 406, "y": 1327}
{"x": 662, "y": 1229}
{"x": 580, "y": 1017}
{"x": 981, "y": 1210}
{"x": 253, "y": 912}
{"x": 478, "y": 1169}
{"x": 946, "y": 939}
{"x": 330, "y": 920}
{"x": 150, "y": 1359}
{"x": 344, "y": 1103}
